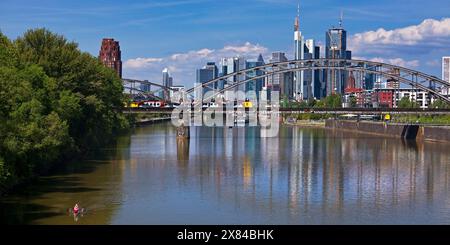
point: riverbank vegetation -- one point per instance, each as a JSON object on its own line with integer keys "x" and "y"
{"x": 146, "y": 117}
{"x": 331, "y": 102}
{"x": 422, "y": 119}
{"x": 56, "y": 102}
{"x": 308, "y": 116}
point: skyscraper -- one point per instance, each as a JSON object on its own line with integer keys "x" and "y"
{"x": 241, "y": 64}
{"x": 336, "y": 48}
{"x": 110, "y": 55}
{"x": 255, "y": 85}
{"x": 232, "y": 65}
{"x": 299, "y": 46}
{"x": 446, "y": 73}
{"x": 206, "y": 74}
{"x": 369, "y": 79}
{"x": 313, "y": 87}
{"x": 167, "y": 81}
{"x": 282, "y": 82}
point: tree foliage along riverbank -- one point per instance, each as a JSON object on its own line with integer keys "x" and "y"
{"x": 55, "y": 102}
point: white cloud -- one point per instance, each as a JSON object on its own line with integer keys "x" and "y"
{"x": 199, "y": 54}
{"x": 393, "y": 61}
{"x": 419, "y": 39}
{"x": 247, "y": 48}
{"x": 413, "y": 46}
{"x": 433, "y": 63}
{"x": 426, "y": 33}
{"x": 401, "y": 62}
{"x": 182, "y": 66}
{"x": 140, "y": 63}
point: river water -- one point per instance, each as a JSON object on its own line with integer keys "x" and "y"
{"x": 234, "y": 176}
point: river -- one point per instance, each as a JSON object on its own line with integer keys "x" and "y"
{"x": 234, "y": 176}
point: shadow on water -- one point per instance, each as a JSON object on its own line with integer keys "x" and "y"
{"x": 15, "y": 208}
{"x": 19, "y": 205}
{"x": 410, "y": 144}
{"x": 17, "y": 213}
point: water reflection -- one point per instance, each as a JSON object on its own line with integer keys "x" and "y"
{"x": 321, "y": 176}
{"x": 234, "y": 176}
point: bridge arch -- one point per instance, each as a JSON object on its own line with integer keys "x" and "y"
{"x": 146, "y": 93}
{"x": 417, "y": 80}
{"x": 143, "y": 93}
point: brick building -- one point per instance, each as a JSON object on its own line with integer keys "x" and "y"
{"x": 110, "y": 55}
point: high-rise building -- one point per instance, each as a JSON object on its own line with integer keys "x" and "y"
{"x": 258, "y": 84}
{"x": 232, "y": 65}
{"x": 313, "y": 86}
{"x": 110, "y": 55}
{"x": 241, "y": 64}
{"x": 336, "y": 48}
{"x": 299, "y": 52}
{"x": 206, "y": 74}
{"x": 167, "y": 81}
{"x": 228, "y": 67}
{"x": 369, "y": 78}
{"x": 307, "y": 83}
{"x": 282, "y": 82}
{"x": 446, "y": 73}
{"x": 392, "y": 82}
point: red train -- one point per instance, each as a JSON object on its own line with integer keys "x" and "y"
{"x": 152, "y": 104}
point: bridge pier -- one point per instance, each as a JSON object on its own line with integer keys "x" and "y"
{"x": 183, "y": 132}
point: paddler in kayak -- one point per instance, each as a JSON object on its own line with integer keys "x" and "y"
{"x": 76, "y": 209}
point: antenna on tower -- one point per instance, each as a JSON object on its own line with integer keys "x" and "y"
{"x": 341, "y": 18}
{"x": 297, "y": 19}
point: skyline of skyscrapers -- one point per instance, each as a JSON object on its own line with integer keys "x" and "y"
{"x": 305, "y": 84}
{"x": 299, "y": 85}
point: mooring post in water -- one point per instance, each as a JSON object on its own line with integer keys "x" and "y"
{"x": 183, "y": 132}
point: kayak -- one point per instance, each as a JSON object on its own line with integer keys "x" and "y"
{"x": 77, "y": 212}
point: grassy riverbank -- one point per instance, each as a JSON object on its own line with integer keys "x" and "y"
{"x": 427, "y": 119}
{"x": 56, "y": 103}
{"x": 306, "y": 119}
{"x": 306, "y": 123}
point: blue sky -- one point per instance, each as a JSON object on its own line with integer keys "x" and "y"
{"x": 184, "y": 34}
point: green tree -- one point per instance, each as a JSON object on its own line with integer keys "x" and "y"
{"x": 312, "y": 102}
{"x": 331, "y": 102}
{"x": 405, "y": 103}
{"x": 55, "y": 102}
{"x": 284, "y": 101}
{"x": 353, "y": 102}
{"x": 439, "y": 104}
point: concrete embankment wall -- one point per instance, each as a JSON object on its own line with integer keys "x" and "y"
{"x": 434, "y": 133}
{"x": 151, "y": 121}
{"x": 405, "y": 131}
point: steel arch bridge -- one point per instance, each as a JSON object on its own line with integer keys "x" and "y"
{"x": 413, "y": 78}
{"x": 141, "y": 92}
